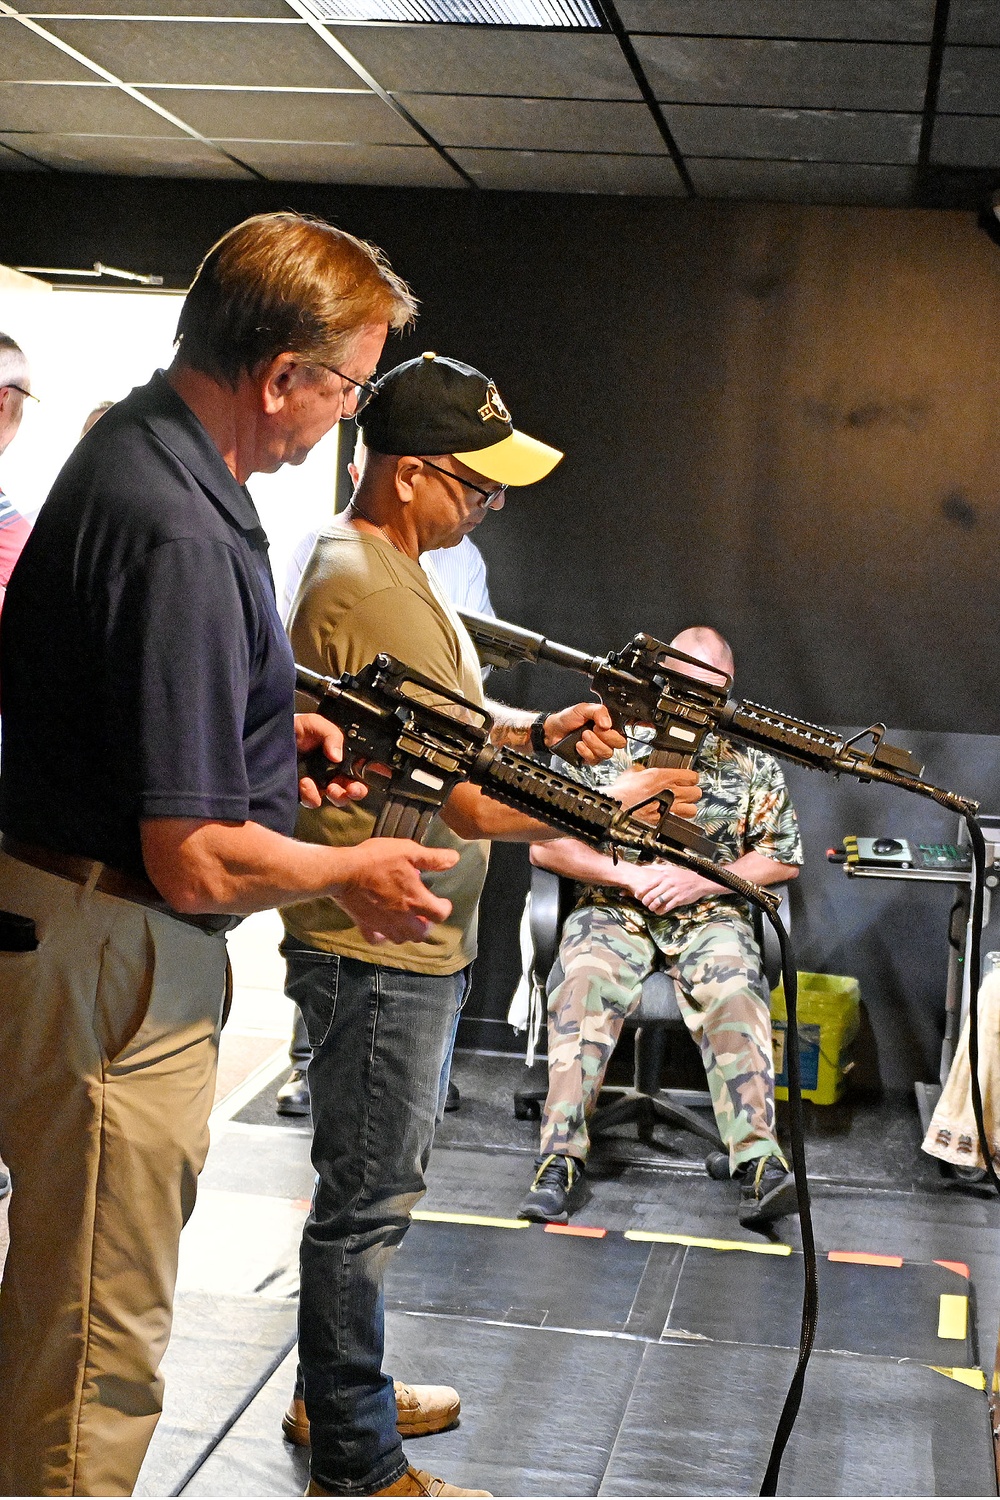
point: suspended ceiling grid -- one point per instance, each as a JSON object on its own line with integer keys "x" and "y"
{"x": 845, "y": 101}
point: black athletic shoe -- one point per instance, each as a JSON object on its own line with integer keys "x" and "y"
{"x": 768, "y": 1192}
{"x": 453, "y": 1099}
{"x": 293, "y": 1096}
{"x": 558, "y": 1190}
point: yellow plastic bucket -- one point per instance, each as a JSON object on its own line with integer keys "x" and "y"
{"x": 829, "y": 1013}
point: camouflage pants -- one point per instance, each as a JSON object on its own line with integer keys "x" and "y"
{"x": 606, "y": 952}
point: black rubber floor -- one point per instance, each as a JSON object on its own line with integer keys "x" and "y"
{"x": 627, "y": 1366}
{"x": 614, "y": 1366}
{"x": 632, "y": 1418}
{"x": 540, "y": 1279}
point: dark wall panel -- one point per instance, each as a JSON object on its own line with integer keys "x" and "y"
{"x": 777, "y": 419}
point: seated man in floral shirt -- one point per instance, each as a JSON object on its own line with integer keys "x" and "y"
{"x": 631, "y": 918}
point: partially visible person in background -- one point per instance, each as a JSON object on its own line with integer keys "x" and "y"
{"x": 95, "y": 416}
{"x": 461, "y": 570}
{"x": 461, "y": 573}
{"x": 15, "y": 392}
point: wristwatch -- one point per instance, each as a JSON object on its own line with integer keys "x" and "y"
{"x": 536, "y": 734}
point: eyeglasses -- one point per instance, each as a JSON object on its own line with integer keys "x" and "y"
{"x": 363, "y": 389}
{"x": 491, "y": 498}
{"x": 8, "y": 385}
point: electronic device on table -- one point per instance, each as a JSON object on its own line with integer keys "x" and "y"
{"x": 906, "y": 854}
{"x": 887, "y": 857}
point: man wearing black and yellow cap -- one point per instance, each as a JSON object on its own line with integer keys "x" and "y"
{"x": 441, "y": 449}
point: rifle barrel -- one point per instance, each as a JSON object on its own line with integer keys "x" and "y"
{"x": 313, "y": 683}
{"x": 503, "y": 645}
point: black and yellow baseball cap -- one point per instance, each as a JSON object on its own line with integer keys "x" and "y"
{"x": 433, "y": 405}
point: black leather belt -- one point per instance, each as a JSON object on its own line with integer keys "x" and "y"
{"x": 112, "y": 882}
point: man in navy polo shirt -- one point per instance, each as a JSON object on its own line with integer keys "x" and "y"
{"x": 148, "y": 795}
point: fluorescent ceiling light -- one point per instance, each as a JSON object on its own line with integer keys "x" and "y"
{"x": 578, "y": 14}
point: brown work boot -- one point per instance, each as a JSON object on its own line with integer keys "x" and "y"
{"x": 413, "y": 1482}
{"x": 420, "y": 1409}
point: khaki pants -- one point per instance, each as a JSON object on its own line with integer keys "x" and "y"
{"x": 108, "y": 1049}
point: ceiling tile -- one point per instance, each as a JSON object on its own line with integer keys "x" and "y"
{"x": 12, "y": 158}
{"x": 801, "y": 182}
{"x": 388, "y": 166}
{"x": 27, "y": 56}
{"x": 794, "y": 134}
{"x": 970, "y": 81}
{"x": 152, "y": 52}
{"x": 966, "y": 141}
{"x": 74, "y": 109}
{"x": 863, "y": 20}
{"x": 572, "y": 172}
{"x": 491, "y": 60}
{"x": 974, "y": 21}
{"x": 267, "y": 116}
{"x": 255, "y": 9}
{"x": 131, "y": 156}
{"x": 795, "y": 75}
{"x": 536, "y": 124}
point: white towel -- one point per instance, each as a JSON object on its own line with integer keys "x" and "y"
{"x": 952, "y": 1134}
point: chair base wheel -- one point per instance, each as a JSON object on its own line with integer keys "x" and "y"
{"x": 717, "y": 1165}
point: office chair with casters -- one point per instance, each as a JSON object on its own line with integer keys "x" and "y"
{"x": 656, "y": 1017}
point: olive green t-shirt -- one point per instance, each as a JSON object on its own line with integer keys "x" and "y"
{"x": 359, "y": 596}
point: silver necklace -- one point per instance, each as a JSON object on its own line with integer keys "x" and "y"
{"x": 351, "y": 505}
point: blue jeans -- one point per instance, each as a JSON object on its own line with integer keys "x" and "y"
{"x": 378, "y": 1038}
{"x": 299, "y": 1053}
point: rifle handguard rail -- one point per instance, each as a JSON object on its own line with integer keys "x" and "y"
{"x": 428, "y": 751}
{"x": 644, "y": 683}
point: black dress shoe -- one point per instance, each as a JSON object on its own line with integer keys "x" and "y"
{"x": 293, "y": 1096}
{"x": 452, "y": 1099}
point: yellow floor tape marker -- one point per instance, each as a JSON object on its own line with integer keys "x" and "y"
{"x": 432, "y": 1218}
{"x": 700, "y": 1244}
{"x": 975, "y": 1378}
{"x": 953, "y": 1316}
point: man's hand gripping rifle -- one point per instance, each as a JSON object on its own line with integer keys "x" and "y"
{"x": 412, "y": 741}
{"x": 650, "y": 683}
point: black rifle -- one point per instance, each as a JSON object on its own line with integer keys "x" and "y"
{"x": 411, "y": 742}
{"x": 648, "y": 682}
